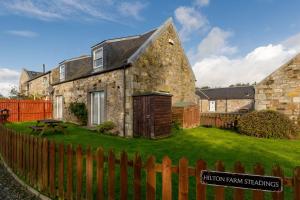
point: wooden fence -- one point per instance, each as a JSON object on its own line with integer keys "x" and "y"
{"x": 188, "y": 116}
{"x": 27, "y": 110}
{"x": 69, "y": 173}
{"x": 220, "y": 120}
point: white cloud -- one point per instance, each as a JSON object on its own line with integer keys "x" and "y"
{"x": 222, "y": 71}
{"x": 72, "y": 9}
{"x": 202, "y": 2}
{"x": 132, "y": 9}
{"x": 214, "y": 44}
{"x": 190, "y": 19}
{"x": 8, "y": 79}
{"x": 23, "y": 33}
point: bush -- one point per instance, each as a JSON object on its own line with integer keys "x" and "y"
{"x": 267, "y": 124}
{"x": 176, "y": 125}
{"x": 106, "y": 127}
{"x": 80, "y": 111}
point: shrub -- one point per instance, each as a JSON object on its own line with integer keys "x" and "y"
{"x": 106, "y": 127}
{"x": 176, "y": 125}
{"x": 80, "y": 111}
{"x": 267, "y": 124}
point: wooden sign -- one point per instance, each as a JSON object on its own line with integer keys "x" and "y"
{"x": 245, "y": 181}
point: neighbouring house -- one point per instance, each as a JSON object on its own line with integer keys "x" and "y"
{"x": 280, "y": 90}
{"x": 120, "y": 69}
{"x": 226, "y": 100}
{"x": 35, "y": 84}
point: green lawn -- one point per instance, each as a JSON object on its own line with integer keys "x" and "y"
{"x": 210, "y": 144}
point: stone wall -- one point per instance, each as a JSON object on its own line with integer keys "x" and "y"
{"x": 281, "y": 90}
{"x": 162, "y": 67}
{"x": 38, "y": 88}
{"x": 79, "y": 91}
{"x": 232, "y": 105}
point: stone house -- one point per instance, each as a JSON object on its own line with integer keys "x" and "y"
{"x": 35, "y": 84}
{"x": 117, "y": 70}
{"x": 280, "y": 90}
{"x": 226, "y": 100}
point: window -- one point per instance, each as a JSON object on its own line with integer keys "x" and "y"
{"x": 97, "y": 108}
{"x": 62, "y": 73}
{"x": 45, "y": 82}
{"x": 212, "y": 106}
{"x": 59, "y": 107}
{"x": 98, "y": 58}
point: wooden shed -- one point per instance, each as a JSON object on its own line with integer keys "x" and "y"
{"x": 152, "y": 115}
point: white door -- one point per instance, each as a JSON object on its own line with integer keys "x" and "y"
{"x": 59, "y": 107}
{"x": 97, "y": 108}
{"x": 212, "y": 106}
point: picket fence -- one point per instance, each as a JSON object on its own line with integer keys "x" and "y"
{"x": 27, "y": 110}
{"x": 49, "y": 168}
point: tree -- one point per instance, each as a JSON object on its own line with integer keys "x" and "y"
{"x": 14, "y": 93}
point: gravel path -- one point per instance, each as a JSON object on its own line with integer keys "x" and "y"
{"x": 10, "y": 189}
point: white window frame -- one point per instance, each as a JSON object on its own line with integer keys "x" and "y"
{"x": 45, "y": 81}
{"x": 59, "y": 115}
{"x": 100, "y": 120}
{"x": 62, "y": 72}
{"x": 100, "y": 57}
{"x": 212, "y": 109}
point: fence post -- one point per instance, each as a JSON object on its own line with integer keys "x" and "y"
{"x": 137, "y": 177}
{"x": 151, "y": 179}
{"x": 166, "y": 178}
{"x": 200, "y": 188}
{"x": 111, "y": 175}
{"x": 219, "y": 190}
{"x": 259, "y": 170}
{"x": 52, "y": 170}
{"x": 89, "y": 174}
{"x": 123, "y": 176}
{"x": 100, "y": 173}
{"x": 61, "y": 171}
{"x": 183, "y": 189}
{"x": 296, "y": 180}
{"x": 79, "y": 170}
{"x": 69, "y": 193}
{"x": 277, "y": 171}
{"x": 238, "y": 193}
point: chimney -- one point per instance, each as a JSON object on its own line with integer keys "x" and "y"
{"x": 44, "y": 68}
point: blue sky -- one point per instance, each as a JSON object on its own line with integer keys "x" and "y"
{"x": 226, "y": 41}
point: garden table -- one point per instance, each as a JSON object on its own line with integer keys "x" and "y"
{"x": 48, "y": 124}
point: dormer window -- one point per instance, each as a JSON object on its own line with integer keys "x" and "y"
{"x": 62, "y": 72}
{"x": 98, "y": 58}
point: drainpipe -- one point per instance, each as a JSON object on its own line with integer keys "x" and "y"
{"x": 124, "y": 101}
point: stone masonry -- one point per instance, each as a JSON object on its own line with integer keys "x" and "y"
{"x": 280, "y": 91}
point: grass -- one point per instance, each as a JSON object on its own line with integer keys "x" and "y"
{"x": 209, "y": 144}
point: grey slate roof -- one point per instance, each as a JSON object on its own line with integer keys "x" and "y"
{"x": 33, "y": 74}
{"x": 243, "y": 92}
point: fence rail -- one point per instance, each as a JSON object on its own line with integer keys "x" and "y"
{"x": 68, "y": 173}
{"x": 27, "y": 110}
{"x": 220, "y": 120}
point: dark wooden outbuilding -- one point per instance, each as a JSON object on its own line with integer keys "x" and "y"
{"x": 152, "y": 115}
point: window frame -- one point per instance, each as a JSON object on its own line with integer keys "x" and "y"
{"x": 101, "y": 57}
{"x": 209, "y": 106}
{"x": 101, "y": 107}
{"x": 62, "y": 73}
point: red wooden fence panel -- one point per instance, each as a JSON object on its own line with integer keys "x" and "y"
{"x": 27, "y": 110}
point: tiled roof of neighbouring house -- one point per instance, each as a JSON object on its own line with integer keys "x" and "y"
{"x": 33, "y": 74}
{"x": 243, "y": 92}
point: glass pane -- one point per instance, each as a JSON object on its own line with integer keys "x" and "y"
{"x": 102, "y": 107}
{"x": 95, "y": 108}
